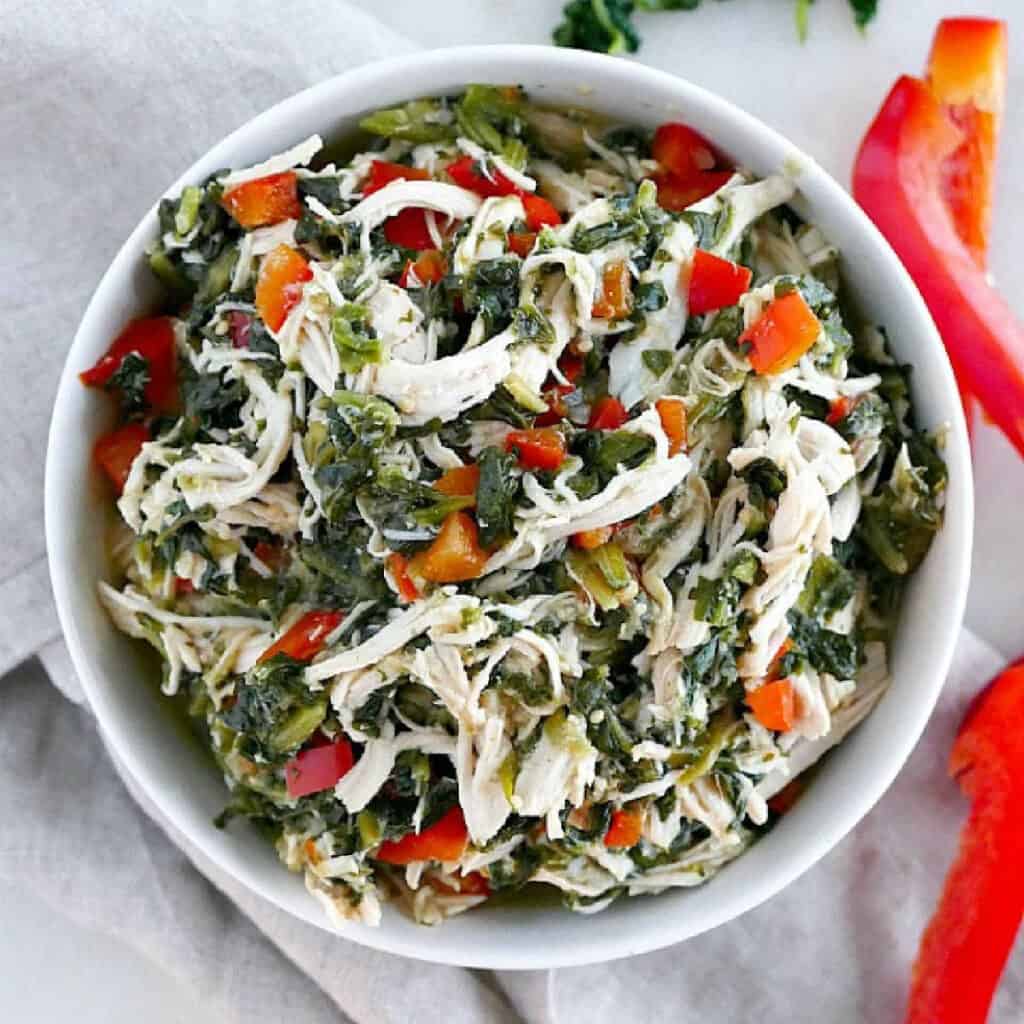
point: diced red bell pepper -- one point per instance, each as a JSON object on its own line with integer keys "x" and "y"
{"x": 539, "y": 212}
{"x": 899, "y": 180}
{"x": 616, "y": 298}
{"x": 183, "y": 585}
{"x": 307, "y": 637}
{"x": 785, "y": 330}
{"x": 115, "y": 452}
{"x": 625, "y": 830}
{"x": 318, "y": 768}
{"x": 466, "y": 173}
{"x": 542, "y": 448}
{"x": 455, "y": 554}
{"x": 460, "y": 482}
{"x": 672, "y": 413}
{"x": 715, "y": 282}
{"x": 557, "y": 411}
{"x": 608, "y": 413}
{"x": 283, "y": 273}
{"x": 774, "y": 705}
{"x": 153, "y": 339}
{"x": 265, "y": 201}
{"x": 399, "y": 566}
{"x": 383, "y": 173}
{"x": 522, "y": 242}
{"x": 428, "y": 268}
{"x": 681, "y": 150}
{"x": 408, "y": 229}
{"x": 445, "y": 840}
{"x": 676, "y": 193}
{"x": 967, "y": 943}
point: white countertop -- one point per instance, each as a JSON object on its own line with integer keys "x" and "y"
{"x": 53, "y": 974}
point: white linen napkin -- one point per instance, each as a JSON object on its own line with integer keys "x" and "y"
{"x": 99, "y": 110}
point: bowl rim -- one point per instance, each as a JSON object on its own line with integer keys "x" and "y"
{"x": 598, "y": 947}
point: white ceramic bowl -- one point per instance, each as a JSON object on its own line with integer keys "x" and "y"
{"x": 182, "y": 781}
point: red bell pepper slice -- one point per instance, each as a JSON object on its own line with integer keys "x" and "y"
{"x": 625, "y": 829}
{"x": 307, "y": 637}
{"x": 608, "y": 414}
{"x": 589, "y": 540}
{"x": 382, "y": 173}
{"x": 265, "y": 201}
{"x": 445, "y": 840}
{"x": 115, "y": 452}
{"x": 465, "y": 172}
{"x": 715, "y": 282}
{"x": 899, "y": 180}
{"x": 539, "y": 212}
{"x": 318, "y": 768}
{"x": 543, "y": 448}
{"x": 783, "y": 332}
{"x": 459, "y": 482}
{"x": 283, "y": 273}
{"x": 408, "y": 229}
{"x": 967, "y": 75}
{"x": 153, "y": 339}
{"x": 966, "y": 944}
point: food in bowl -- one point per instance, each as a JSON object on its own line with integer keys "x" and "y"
{"x": 509, "y": 502}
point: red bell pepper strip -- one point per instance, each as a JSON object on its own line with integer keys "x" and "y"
{"x": 318, "y": 768}
{"x": 783, "y": 332}
{"x": 283, "y": 273}
{"x": 543, "y": 448}
{"x": 383, "y": 173}
{"x": 465, "y": 172}
{"x": 715, "y": 283}
{"x": 625, "y": 829}
{"x": 265, "y": 201}
{"x": 608, "y": 414}
{"x": 966, "y": 944}
{"x": 307, "y": 637}
{"x": 115, "y": 452}
{"x": 445, "y": 840}
{"x": 153, "y": 339}
{"x": 898, "y": 178}
{"x": 408, "y": 229}
{"x": 967, "y": 75}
